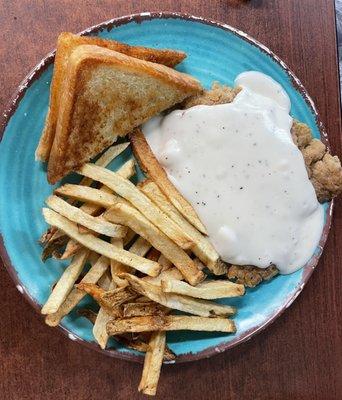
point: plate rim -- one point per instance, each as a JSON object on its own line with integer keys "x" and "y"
{"x": 108, "y": 25}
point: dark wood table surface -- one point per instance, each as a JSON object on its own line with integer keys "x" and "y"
{"x": 300, "y": 355}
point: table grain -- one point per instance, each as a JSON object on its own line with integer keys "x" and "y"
{"x": 300, "y": 355}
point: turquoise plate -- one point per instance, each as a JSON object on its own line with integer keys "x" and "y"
{"x": 215, "y": 52}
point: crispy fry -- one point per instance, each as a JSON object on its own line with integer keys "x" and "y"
{"x": 132, "y": 343}
{"x": 171, "y": 273}
{"x": 202, "y": 308}
{"x": 126, "y": 171}
{"x": 106, "y": 158}
{"x": 90, "y": 315}
{"x": 169, "y": 323}
{"x": 88, "y": 194}
{"x": 65, "y": 283}
{"x": 75, "y": 214}
{"x": 202, "y": 248}
{"x": 49, "y": 234}
{"x": 99, "y": 246}
{"x": 205, "y": 290}
{"x": 109, "y": 300}
{"x": 54, "y": 245}
{"x": 126, "y": 189}
{"x": 129, "y": 216}
{"x": 71, "y": 248}
{"x": 76, "y": 295}
{"x": 140, "y": 247}
{"x": 142, "y": 309}
{"x": 150, "y": 165}
{"x": 152, "y": 364}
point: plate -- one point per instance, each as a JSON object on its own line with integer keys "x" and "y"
{"x": 216, "y": 52}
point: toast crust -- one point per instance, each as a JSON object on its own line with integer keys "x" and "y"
{"x": 83, "y": 113}
{"x": 66, "y": 43}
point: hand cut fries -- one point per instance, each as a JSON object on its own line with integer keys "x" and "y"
{"x": 126, "y": 171}
{"x": 205, "y": 290}
{"x": 126, "y": 215}
{"x": 88, "y": 194}
{"x": 202, "y": 308}
{"x": 110, "y": 300}
{"x": 135, "y": 310}
{"x": 65, "y": 283}
{"x": 140, "y": 247}
{"x": 150, "y": 165}
{"x": 202, "y": 248}
{"x": 169, "y": 323}
{"x": 75, "y": 214}
{"x": 126, "y": 189}
{"x": 76, "y": 295}
{"x": 143, "y": 309}
{"x": 93, "y": 243}
{"x": 152, "y": 365}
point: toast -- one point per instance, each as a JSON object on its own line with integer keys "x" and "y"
{"x": 106, "y": 94}
{"x": 66, "y": 43}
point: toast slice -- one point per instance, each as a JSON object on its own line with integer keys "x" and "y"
{"x": 105, "y": 95}
{"x": 66, "y": 43}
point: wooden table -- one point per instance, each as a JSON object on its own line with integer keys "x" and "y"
{"x": 299, "y": 356}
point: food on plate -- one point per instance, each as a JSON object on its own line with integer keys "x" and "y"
{"x": 66, "y": 44}
{"x": 230, "y": 196}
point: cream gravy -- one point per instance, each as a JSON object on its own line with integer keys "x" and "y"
{"x": 238, "y": 166}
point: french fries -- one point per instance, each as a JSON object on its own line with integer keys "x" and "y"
{"x": 76, "y": 295}
{"x": 169, "y": 323}
{"x": 65, "y": 283}
{"x": 202, "y": 308}
{"x": 143, "y": 309}
{"x": 75, "y": 214}
{"x": 126, "y": 171}
{"x": 111, "y": 300}
{"x": 202, "y": 248}
{"x": 99, "y": 246}
{"x": 170, "y": 252}
{"x": 205, "y": 290}
{"x": 126, "y": 189}
{"x": 140, "y": 247}
{"x": 126, "y": 215}
{"x": 153, "y": 363}
{"x": 88, "y": 194}
{"x": 150, "y": 165}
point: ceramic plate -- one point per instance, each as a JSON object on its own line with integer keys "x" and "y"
{"x": 215, "y": 52}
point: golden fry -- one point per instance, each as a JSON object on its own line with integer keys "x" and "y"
{"x": 76, "y": 295}
{"x": 126, "y": 189}
{"x": 169, "y": 323}
{"x": 65, "y": 283}
{"x": 152, "y": 364}
{"x": 202, "y": 308}
{"x": 99, "y": 246}
{"x": 202, "y": 248}
{"x": 129, "y": 216}
{"x": 205, "y": 290}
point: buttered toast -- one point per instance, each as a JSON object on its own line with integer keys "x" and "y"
{"x": 106, "y": 94}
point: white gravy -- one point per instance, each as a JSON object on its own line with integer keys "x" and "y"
{"x": 238, "y": 166}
